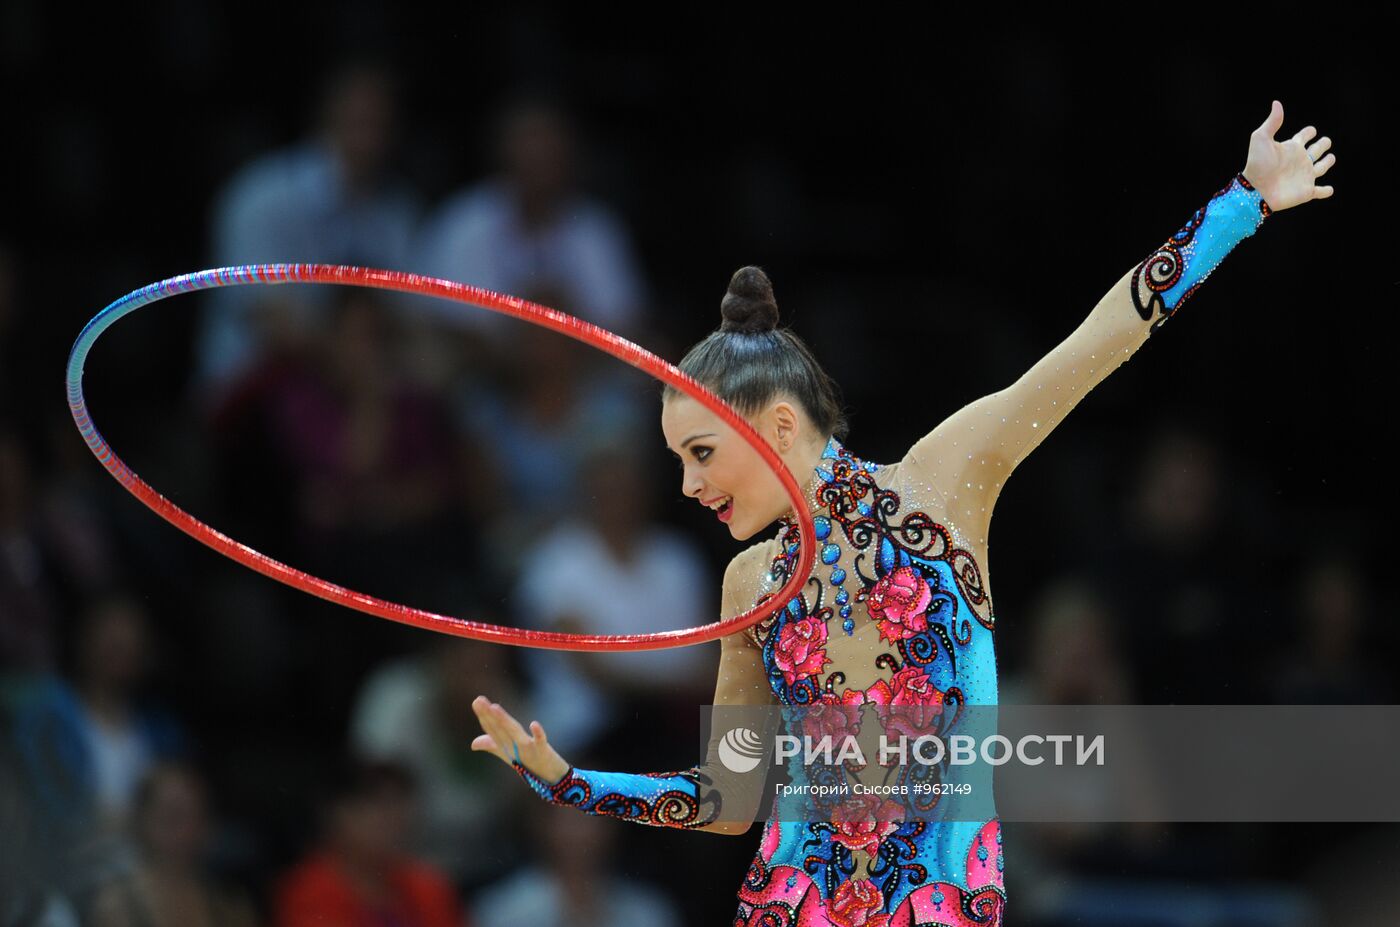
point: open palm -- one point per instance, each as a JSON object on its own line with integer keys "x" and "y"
{"x": 508, "y": 740}
{"x": 1284, "y": 173}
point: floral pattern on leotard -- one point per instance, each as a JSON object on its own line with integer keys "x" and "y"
{"x": 924, "y": 593}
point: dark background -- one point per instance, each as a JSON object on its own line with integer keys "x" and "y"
{"x": 937, "y": 205}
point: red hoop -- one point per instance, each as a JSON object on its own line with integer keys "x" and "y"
{"x": 429, "y": 286}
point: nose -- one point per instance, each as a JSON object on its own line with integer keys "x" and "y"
{"x": 691, "y": 484}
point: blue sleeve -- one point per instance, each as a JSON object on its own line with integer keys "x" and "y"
{"x": 684, "y": 799}
{"x": 1172, "y": 273}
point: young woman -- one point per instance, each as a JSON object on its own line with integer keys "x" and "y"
{"x": 897, "y": 613}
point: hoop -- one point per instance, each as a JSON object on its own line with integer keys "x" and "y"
{"x": 534, "y": 313}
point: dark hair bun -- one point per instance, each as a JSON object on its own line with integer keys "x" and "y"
{"x": 749, "y": 305}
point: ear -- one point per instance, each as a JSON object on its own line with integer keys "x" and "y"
{"x": 787, "y": 424}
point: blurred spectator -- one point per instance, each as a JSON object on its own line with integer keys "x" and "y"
{"x": 28, "y": 605}
{"x": 1329, "y": 661}
{"x": 32, "y": 855}
{"x": 360, "y": 875}
{"x": 1073, "y": 654}
{"x": 530, "y": 226}
{"x": 1177, "y": 573}
{"x": 124, "y": 734}
{"x": 369, "y": 460}
{"x": 573, "y": 881}
{"x": 1074, "y": 659}
{"x": 70, "y": 505}
{"x": 533, "y": 432}
{"x": 82, "y": 745}
{"x": 170, "y": 886}
{"x": 611, "y": 569}
{"x": 418, "y": 710}
{"x": 328, "y": 200}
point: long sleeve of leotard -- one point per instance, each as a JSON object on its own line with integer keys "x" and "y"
{"x": 969, "y": 456}
{"x": 706, "y": 797}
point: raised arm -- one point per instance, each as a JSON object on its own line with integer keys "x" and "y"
{"x": 970, "y": 455}
{"x": 705, "y": 797}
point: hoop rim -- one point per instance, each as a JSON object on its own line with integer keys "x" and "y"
{"x": 400, "y": 281}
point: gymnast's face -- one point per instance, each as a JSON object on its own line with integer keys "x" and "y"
{"x": 723, "y": 472}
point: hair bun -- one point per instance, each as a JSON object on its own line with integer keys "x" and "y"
{"x": 749, "y": 306}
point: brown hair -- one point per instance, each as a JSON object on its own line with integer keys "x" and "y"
{"x": 749, "y": 360}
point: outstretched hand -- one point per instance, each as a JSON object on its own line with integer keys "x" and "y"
{"x": 508, "y": 740}
{"x": 1284, "y": 172}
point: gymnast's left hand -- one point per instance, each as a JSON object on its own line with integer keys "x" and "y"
{"x": 1284, "y": 172}
{"x": 504, "y": 737}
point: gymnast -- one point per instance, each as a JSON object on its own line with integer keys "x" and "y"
{"x": 897, "y": 613}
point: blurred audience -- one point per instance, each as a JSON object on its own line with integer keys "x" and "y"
{"x": 70, "y": 506}
{"x": 77, "y": 748}
{"x": 574, "y": 879}
{"x": 1073, "y": 655}
{"x": 170, "y": 885}
{"x": 531, "y": 223}
{"x": 1331, "y": 660}
{"x": 28, "y": 584}
{"x": 1183, "y": 600}
{"x": 359, "y": 873}
{"x": 37, "y": 873}
{"x": 610, "y": 568}
{"x": 531, "y": 431}
{"x": 417, "y": 710}
{"x": 123, "y": 731}
{"x": 369, "y": 460}
{"x": 331, "y": 199}
{"x": 1074, "y": 658}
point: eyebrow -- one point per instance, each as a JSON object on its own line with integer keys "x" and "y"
{"x": 708, "y": 434}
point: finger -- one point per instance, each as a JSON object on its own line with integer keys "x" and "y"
{"x": 538, "y": 730}
{"x": 1321, "y": 193}
{"x": 1270, "y": 126}
{"x": 491, "y": 714}
{"x": 492, "y": 725}
{"x": 1316, "y": 149}
{"x": 1321, "y": 167}
{"x": 480, "y": 707}
{"x": 512, "y": 726}
{"x": 1305, "y": 134}
{"x": 488, "y": 744}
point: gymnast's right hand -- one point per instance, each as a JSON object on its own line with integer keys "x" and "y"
{"x": 508, "y": 740}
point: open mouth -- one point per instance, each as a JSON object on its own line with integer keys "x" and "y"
{"x": 725, "y": 509}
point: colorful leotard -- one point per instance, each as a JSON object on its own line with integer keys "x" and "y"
{"x": 898, "y": 613}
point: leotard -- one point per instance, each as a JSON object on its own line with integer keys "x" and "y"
{"x": 898, "y": 613}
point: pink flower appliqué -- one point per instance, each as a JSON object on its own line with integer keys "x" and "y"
{"x": 914, "y": 710}
{"x": 898, "y": 602}
{"x": 801, "y": 649}
{"x": 911, "y": 686}
{"x": 834, "y": 718}
{"x": 857, "y": 903}
{"x": 831, "y": 717}
{"x": 863, "y": 821}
